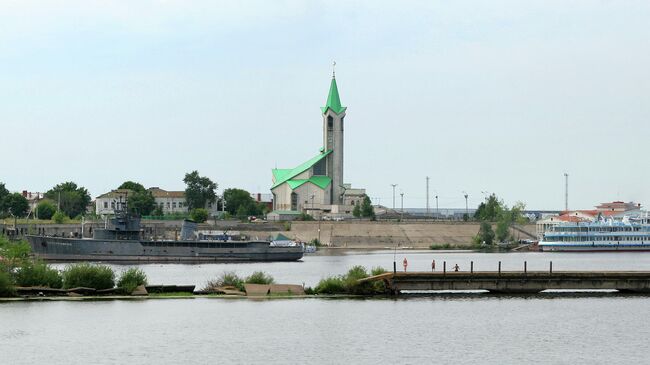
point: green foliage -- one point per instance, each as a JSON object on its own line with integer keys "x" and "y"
{"x": 199, "y": 215}
{"x": 14, "y": 253}
{"x": 316, "y": 242}
{"x": 259, "y": 277}
{"x": 356, "y": 212}
{"x": 241, "y": 204}
{"x": 88, "y": 276}
{"x": 45, "y": 209}
{"x": 37, "y": 273}
{"x": 304, "y": 217}
{"x": 7, "y": 288}
{"x": 485, "y": 234}
{"x": 199, "y": 191}
{"x": 287, "y": 226}
{"x": 377, "y": 270}
{"x": 348, "y": 283}
{"x": 59, "y": 217}
{"x": 465, "y": 217}
{"x": 133, "y": 186}
{"x": 74, "y": 199}
{"x": 502, "y": 231}
{"x": 16, "y": 204}
{"x": 490, "y": 210}
{"x": 3, "y": 194}
{"x": 367, "y": 210}
{"x": 131, "y": 279}
{"x": 227, "y": 278}
{"x": 141, "y": 202}
{"x": 444, "y": 246}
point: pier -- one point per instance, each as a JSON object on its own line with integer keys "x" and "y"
{"x": 515, "y": 282}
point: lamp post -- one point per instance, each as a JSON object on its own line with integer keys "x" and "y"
{"x": 437, "y": 210}
{"x": 402, "y": 209}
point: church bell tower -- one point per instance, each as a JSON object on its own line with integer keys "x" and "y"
{"x": 333, "y": 120}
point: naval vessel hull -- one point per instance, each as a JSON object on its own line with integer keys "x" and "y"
{"x": 76, "y": 249}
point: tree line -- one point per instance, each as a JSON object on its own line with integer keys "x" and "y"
{"x": 67, "y": 200}
{"x": 494, "y": 210}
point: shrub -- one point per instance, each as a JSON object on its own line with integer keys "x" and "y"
{"x": 377, "y": 270}
{"x": 199, "y": 215}
{"x": 89, "y": 276}
{"x": 287, "y": 226}
{"x": 59, "y": 217}
{"x": 131, "y": 279}
{"x": 15, "y": 253}
{"x": 6, "y": 284}
{"x": 259, "y": 277}
{"x": 38, "y": 273}
{"x": 315, "y": 242}
{"x": 45, "y": 209}
{"x": 331, "y": 285}
{"x": 227, "y": 278}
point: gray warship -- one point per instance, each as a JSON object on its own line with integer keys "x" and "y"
{"x": 121, "y": 241}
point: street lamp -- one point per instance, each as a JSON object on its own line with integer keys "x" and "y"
{"x": 402, "y": 209}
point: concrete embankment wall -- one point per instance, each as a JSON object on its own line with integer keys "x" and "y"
{"x": 350, "y": 234}
{"x": 389, "y": 234}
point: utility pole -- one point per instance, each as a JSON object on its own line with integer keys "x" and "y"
{"x": 427, "y": 196}
{"x": 466, "y": 206}
{"x": 566, "y": 191}
{"x": 437, "y": 211}
{"x": 402, "y": 216}
{"x": 393, "y": 185}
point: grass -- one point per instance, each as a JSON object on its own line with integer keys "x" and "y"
{"x": 349, "y": 283}
{"x": 172, "y": 294}
{"x": 88, "y": 276}
{"x": 131, "y": 279}
{"x": 230, "y": 278}
{"x": 37, "y": 273}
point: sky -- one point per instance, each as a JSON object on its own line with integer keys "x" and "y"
{"x": 483, "y": 97}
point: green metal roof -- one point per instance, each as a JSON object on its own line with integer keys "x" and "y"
{"x": 286, "y": 212}
{"x": 333, "y": 99}
{"x": 320, "y": 181}
{"x": 283, "y": 175}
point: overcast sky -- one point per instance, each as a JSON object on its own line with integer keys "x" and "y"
{"x": 492, "y": 96}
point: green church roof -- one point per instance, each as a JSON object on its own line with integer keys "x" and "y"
{"x": 283, "y": 175}
{"x": 333, "y": 99}
{"x": 320, "y": 181}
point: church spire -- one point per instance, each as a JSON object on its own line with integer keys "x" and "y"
{"x": 333, "y": 99}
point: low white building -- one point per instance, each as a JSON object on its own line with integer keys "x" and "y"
{"x": 106, "y": 204}
{"x": 170, "y": 202}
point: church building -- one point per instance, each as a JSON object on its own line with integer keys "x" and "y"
{"x": 316, "y": 186}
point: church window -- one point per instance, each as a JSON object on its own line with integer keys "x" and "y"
{"x": 330, "y": 123}
{"x": 319, "y": 168}
{"x": 294, "y": 201}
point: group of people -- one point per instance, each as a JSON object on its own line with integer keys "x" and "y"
{"x": 433, "y": 265}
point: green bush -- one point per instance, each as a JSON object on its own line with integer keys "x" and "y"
{"x": 131, "y": 279}
{"x": 259, "y": 277}
{"x": 377, "y": 270}
{"x": 38, "y": 273}
{"x": 199, "y": 215}
{"x": 6, "y": 284}
{"x": 59, "y": 217}
{"x": 15, "y": 253}
{"x": 89, "y": 276}
{"x": 315, "y": 242}
{"x": 45, "y": 209}
{"x": 228, "y": 278}
{"x": 331, "y": 285}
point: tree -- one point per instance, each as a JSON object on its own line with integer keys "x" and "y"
{"x": 485, "y": 234}
{"x": 490, "y": 210}
{"x": 131, "y": 185}
{"x": 45, "y": 209}
{"x": 503, "y": 230}
{"x": 16, "y": 204}
{"x": 367, "y": 210}
{"x": 240, "y": 201}
{"x": 71, "y": 198}
{"x": 356, "y": 212}
{"x": 199, "y": 215}
{"x": 140, "y": 201}
{"x": 3, "y": 194}
{"x": 200, "y": 190}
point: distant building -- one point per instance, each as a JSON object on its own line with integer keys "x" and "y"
{"x": 170, "y": 202}
{"x": 106, "y": 203}
{"x": 316, "y": 186}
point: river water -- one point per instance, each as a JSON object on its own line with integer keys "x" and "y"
{"x": 478, "y": 329}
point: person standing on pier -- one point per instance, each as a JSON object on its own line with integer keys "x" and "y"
{"x": 456, "y": 267}
{"x": 405, "y": 263}
{"x": 433, "y": 265}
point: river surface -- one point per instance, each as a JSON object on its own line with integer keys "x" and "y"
{"x": 456, "y": 328}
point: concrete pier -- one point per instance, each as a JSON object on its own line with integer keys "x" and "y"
{"x": 516, "y": 282}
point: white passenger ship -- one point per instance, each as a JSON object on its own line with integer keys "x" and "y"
{"x": 628, "y": 234}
